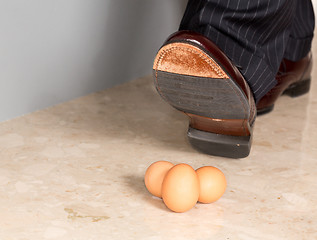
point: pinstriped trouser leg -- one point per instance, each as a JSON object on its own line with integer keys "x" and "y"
{"x": 301, "y": 34}
{"x": 256, "y": 35}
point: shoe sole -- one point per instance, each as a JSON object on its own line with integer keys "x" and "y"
{"x": 191, "y": 80}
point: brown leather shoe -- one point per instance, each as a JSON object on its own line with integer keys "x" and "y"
{"x": 193, "y": 75}
{"x": 293, "y": 79}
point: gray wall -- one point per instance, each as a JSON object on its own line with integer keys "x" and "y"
{"x": 52, "y": 51}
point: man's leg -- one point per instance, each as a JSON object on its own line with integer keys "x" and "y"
{"x": 294, "y": 74}
{"x": 302, "y": 31}
{"x": 228, "y": 55}
{"x": 253, "y": 34}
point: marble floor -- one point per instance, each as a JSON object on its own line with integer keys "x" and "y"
{"x": 75, "y": 171}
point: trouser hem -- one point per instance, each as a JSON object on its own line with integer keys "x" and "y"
{"x": 297, "y": 49}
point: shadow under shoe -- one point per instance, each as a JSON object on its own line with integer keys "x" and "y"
{"x": 195, "y": 77}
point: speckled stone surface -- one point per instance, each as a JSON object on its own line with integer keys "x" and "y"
{"x": 75, "y": 171}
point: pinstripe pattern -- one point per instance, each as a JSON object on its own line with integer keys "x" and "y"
{"x": 256, "y": 35}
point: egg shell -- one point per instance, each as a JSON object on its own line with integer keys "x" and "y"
{"x": 212, "y": 184}
{"x": 154, "y": 176}
{"x": 180, "y": 188}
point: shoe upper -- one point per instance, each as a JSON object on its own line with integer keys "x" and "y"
{"x": 289, "y": 73}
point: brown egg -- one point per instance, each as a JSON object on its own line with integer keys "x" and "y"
{"x": 212, "y": 184}
{"x": 180, "y": 188}
{"x": 154, "y": 176}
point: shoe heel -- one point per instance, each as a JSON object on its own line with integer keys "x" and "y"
{"x": 220, "y": 145}
{"x": 298, "y": 89}
{"x": 227, "y": 137}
